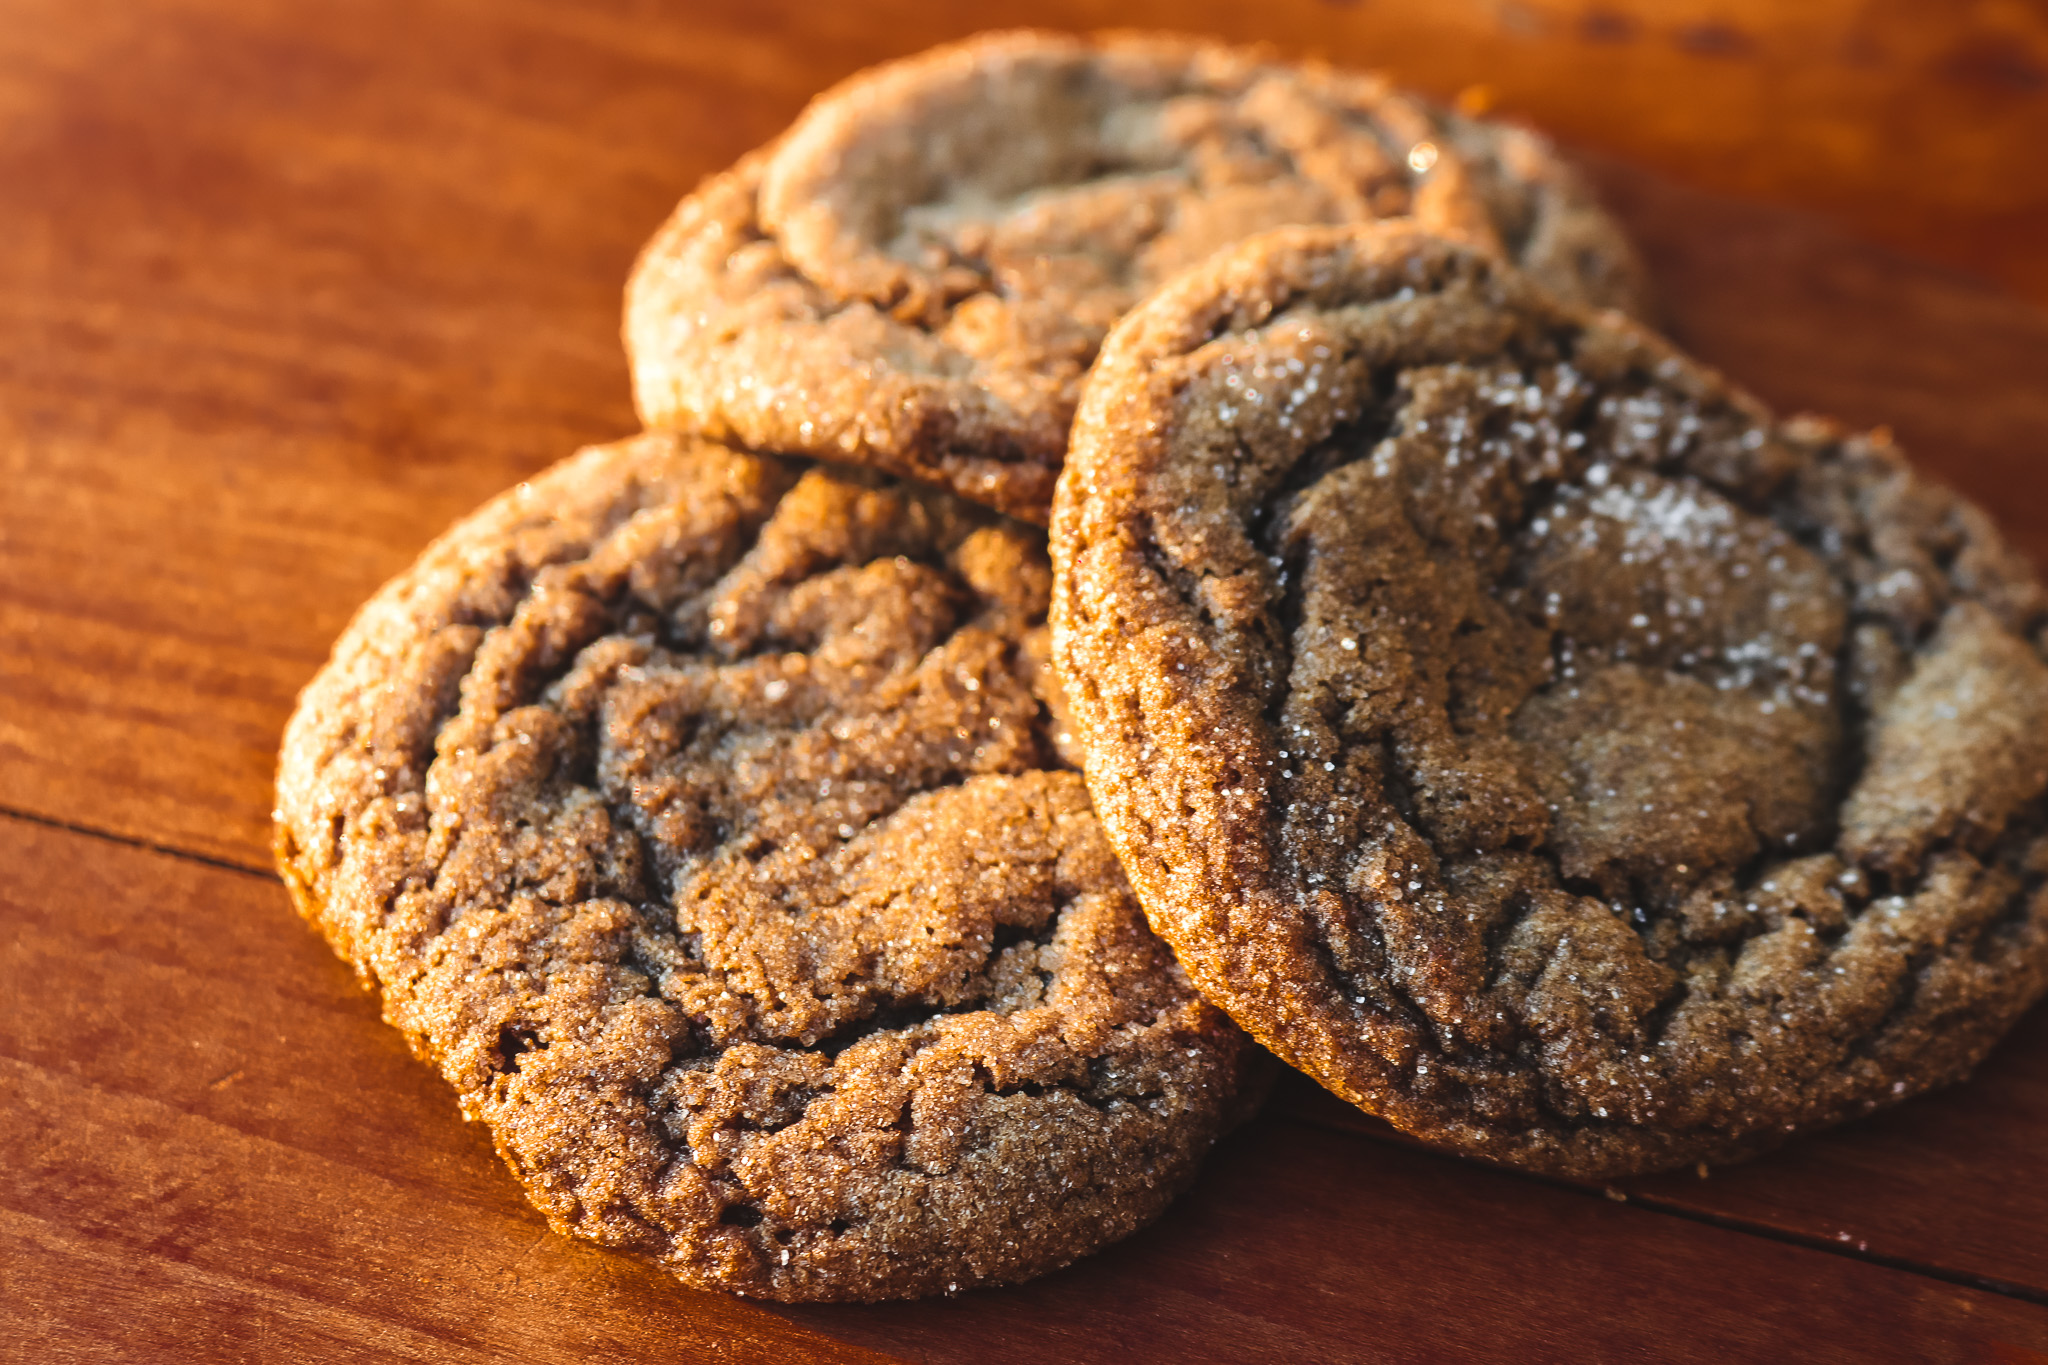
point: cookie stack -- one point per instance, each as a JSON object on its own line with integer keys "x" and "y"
{"x": 1476, "y": 702}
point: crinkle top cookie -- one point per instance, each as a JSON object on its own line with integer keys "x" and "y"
{"x": 917, "y": 274}
{"x": 693, "y": 812}
{"x": 1515, "y": 727}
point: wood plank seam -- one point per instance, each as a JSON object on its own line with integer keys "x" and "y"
{"x": 1649, "y": 1203}
{"x": 89, "y": 832}
{"x": 1670, "y": 1208}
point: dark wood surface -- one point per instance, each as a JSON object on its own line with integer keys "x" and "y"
{"x": 285, "y": 288}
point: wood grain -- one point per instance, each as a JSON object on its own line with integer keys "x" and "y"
{"x": 284, "y": 334}
{"x": 1943, "y": 1183}
{"x": 219, "y": 1153}
{"x": 1919, "y": 124}
{"x": 286, "y": 288}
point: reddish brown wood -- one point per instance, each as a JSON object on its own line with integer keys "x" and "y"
{"x": 1944, "y": 1183}
{"x": 1813, "y": 319}
{"x": 1388, "y": 1254}
{"x": 280, "y": 333}
{"x": 217, "y": 1152}
{"x": 285, "y": 288}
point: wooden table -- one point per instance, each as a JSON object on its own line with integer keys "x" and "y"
{"x": 286, "y": 287}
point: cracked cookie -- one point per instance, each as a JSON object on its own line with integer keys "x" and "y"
{"x": 917, "y": 274}
{"x": 1516, "y": 727}
{"x": 695, "y": 813}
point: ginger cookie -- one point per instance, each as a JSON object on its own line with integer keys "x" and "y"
{"x": 1517, "y": 728}
{"x": 695, "y": 813}
{"x": 917, "y": 275}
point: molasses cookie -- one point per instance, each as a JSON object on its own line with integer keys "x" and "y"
{"x": 917, "y": 274}
{"x": 694, "y": 813}
{"x": 1519, "y": 730}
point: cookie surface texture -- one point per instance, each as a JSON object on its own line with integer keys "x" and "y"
{"x": 693, "y": 812}
{"x": 1517, "y": 729}
{"x": 917, "y": 274}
